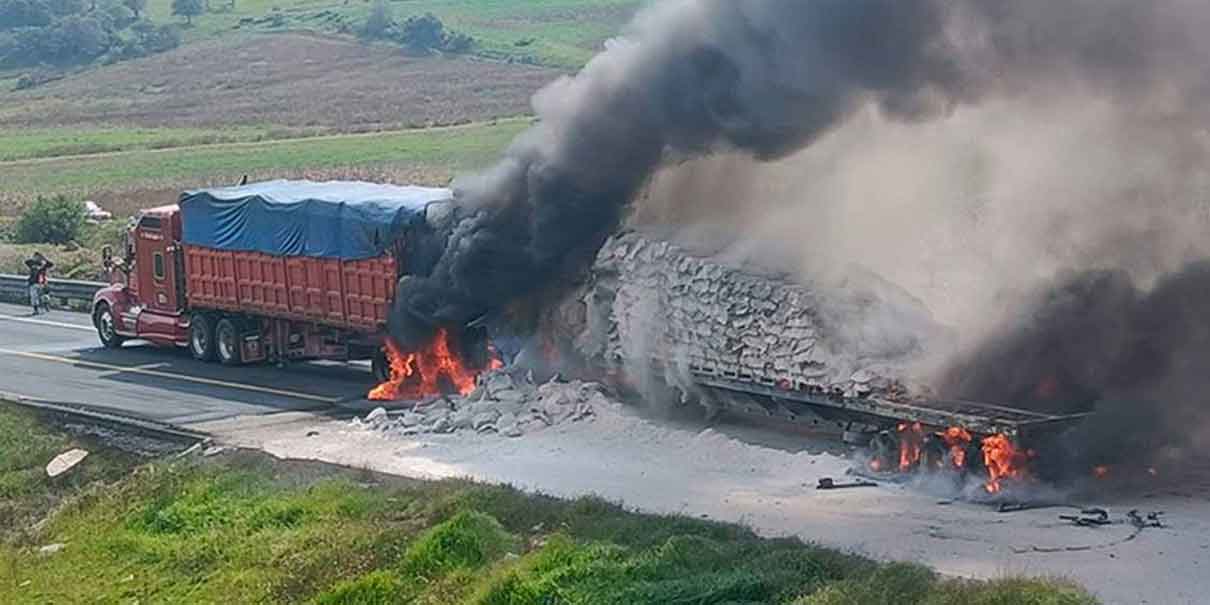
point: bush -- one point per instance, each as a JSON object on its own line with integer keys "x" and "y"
{"x": 375, "y": 588}
{"x": 423, "y": 34}
{"x": 55, "y": 220}
{"x": 458, "y": 42}
{"x": 468, "y": 540}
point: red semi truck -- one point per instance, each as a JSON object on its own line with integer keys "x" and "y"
{"x": 276, "y": 271}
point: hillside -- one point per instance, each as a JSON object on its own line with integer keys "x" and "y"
{"x": 269, "y": 88}
{"x": 563, "y": 33}
{"x": 288, "y": 81}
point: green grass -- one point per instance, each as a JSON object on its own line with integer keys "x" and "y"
{"x": 441, "y": 151}
{"x": 60, "y": 142}
{"x": 26, "y": 493}
{"x": 245, "y": 528}
{"x": 565, "y": 33}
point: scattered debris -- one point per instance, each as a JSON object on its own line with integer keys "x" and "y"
{"x": 1012, "y": 507}
{"x": 1151, "y": 520}
{"x": 51, "y": 549}
{"x": 501, "y": 403}
{"x": 1089, "y": 517}
{"x": 377, "y": 415}
{"x": 65, "y": 462}
{"x": 312, "y": 433}
{"x": 213, "y": 450}
{"x": 1099, "y": 517}
{"x": 829, "y": 483}
{"x": 193, "y": 448}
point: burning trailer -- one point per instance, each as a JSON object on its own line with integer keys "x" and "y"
{"x": 654, "y": 315}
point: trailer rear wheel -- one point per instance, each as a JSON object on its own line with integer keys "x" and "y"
{"x": 102, "y": 318}
{"x": 227, "y": 343}
{"x": 201, "y": 337}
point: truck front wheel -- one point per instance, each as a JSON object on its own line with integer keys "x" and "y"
{"x": 227, "y": 341}
{"x": 201, "y": 337}
{"x": 102, "y": 318}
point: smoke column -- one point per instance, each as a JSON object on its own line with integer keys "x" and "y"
{"x": 765, "y": 78}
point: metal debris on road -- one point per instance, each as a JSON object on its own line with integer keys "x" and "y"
{"x": 1151, "y": 520}
{"x": 1089, "y": 517}
{"x": 1012, "y": 507}
{"x": 829, "y": 483}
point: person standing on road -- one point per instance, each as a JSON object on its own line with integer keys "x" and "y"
{"x": 38, "y": 267}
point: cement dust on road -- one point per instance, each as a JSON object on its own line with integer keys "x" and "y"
{"x": 660, "y": 468}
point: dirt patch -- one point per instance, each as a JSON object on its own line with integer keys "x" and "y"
{"x": 289, "y": 80}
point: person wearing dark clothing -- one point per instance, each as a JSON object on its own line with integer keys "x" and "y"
{"x": 38, "y": 267}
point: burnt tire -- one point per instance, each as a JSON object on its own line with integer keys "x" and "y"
{"x": 934, "y": 456}
{"x": 201, "y": 337}
{"x": 227, "y": 343}
{"x": 107, "y": 330}
{"x": 380, "y": 367}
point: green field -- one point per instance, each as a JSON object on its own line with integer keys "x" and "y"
{"x": 59, "y": 142}
{"x": 133, "y": 134}
{"x": 553, "y": 32}
{"x": 246, "y": 528}
{"x": 429, "y": 156}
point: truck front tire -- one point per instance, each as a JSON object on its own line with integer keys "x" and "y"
{"x": 227, "y": 343}
{"x": 102, "y": 318}
{"x": 201, "y": 337}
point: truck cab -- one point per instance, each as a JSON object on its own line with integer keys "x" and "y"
{"x": 146, "y": 295}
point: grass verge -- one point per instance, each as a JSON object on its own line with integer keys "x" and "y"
{"x": 26, "y": 493}
{"x": 246, "y": 528}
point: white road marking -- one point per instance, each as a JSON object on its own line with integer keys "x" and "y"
{"x": 146, "y": 366}
{"x": 45, "y": 322}
{"x": 148, "y": 372}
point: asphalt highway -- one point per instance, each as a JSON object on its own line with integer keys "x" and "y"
{"x": 57, "y": 358}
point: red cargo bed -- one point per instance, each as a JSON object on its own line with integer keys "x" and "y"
{"x": 345, "y": 294}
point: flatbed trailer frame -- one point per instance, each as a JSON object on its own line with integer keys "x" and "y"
{"x": 976, "y": 417}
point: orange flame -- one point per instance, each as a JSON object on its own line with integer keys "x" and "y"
{"x": 418, "y": 374}
{"x": 956, "y": 439}
{"x": 911, "y": 437}
{"x": 1003, "y": 461}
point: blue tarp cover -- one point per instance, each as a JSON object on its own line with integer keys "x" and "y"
{"x": 345, "y": 220}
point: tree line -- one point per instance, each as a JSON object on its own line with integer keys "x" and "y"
{"x": 421, "y": 34}
{"x": 67, "y": 32}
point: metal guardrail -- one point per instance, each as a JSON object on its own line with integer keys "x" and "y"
{"x": 63, "y": 292}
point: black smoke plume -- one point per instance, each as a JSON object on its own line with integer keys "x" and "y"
{"x": 1096, "y": 342}
{"x": 766, "y": 78}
